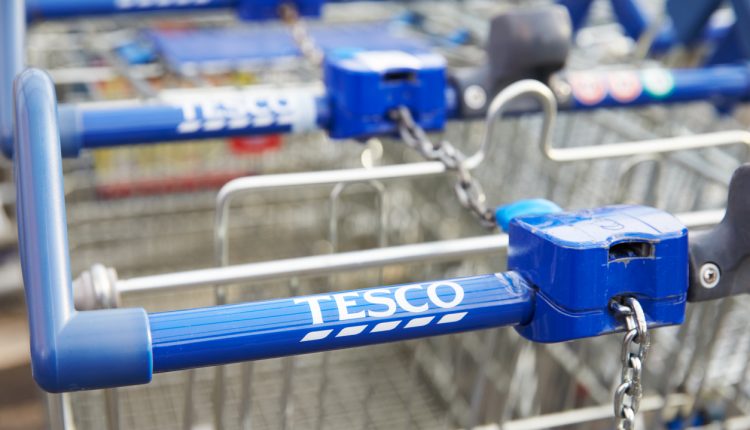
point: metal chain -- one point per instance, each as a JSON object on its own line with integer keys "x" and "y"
{"x": 469, "y": 191}
{"x": 634, "y": 348}
{"x": 303, "y": 39}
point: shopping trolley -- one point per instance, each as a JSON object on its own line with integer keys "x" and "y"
{"x": 649, "y": 251}
{"x": 422, "y": 408}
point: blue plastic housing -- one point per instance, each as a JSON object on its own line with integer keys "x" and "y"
{"x": 578, "y": 262}
{"x": 505, "y": 213}
{"x": 364, "y": 86}
{"x": 263, "y": 10}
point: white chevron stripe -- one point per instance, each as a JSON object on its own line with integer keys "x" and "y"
{"x": 385, "y": 326}
{"x": 419, "y": 322}
{"x": 316, "y": 335}
{"x": 451, "y": 318}
{"x": 351, "y": 331}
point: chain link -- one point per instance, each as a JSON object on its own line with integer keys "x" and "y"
{"x": 302, "y": 38}
{"x": 468, "y": 190}
{"x": 634, "y": 348}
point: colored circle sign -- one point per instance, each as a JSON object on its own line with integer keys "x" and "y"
{"x": 657, "y": 82}
{"x": 624, "y": 86}
{"x": 587, "y": 88}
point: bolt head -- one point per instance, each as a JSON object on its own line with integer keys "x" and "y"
{"x": 710, "y": 275}
{"x": 475, "y": 97}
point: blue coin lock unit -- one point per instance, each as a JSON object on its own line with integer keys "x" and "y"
{"x": 578, "y": 262}
{"x": 364, "y": 86}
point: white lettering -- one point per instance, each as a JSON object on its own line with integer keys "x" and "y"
{"x": 404, "y": 303}
{"x": 231, "y": 111}
{"x": 458, "y": 292}
{"x": 314, "y": 303}
{"x": 378, "y": 300}
{"x": 342, "y": 304}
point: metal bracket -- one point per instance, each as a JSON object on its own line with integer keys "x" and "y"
{"x": 719, "y": 257}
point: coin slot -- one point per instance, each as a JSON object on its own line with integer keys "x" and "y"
{"x": 630, "y": 250}
{"x": 400, "y": 76}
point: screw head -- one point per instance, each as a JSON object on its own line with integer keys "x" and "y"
{"x": 710, "y": 275}
{"x": 475, "y": 97}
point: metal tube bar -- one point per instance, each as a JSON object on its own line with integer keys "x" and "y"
{"x": 355, "y": 260}
{"x": 316, "y": 265}
{"x": 250, "y": 184}
{"x": 584, "y": 415}
{"x": 94, "y": 74}
{"x": 291, "y": 326}
{"x": 654, "y": 146}
{"x": 546, "y": 98}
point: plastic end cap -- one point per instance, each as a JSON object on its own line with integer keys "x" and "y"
{"x": 97, "y": 349}
{"x": 504, "y": 214}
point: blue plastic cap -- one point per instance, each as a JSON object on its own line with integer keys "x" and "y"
{"x": 505, "y": 213}
{"x": 364, "y": 86}
{"x": 71, "y": 139}
{"x": 95, "y": 349}
{"x": 69, "y": 118}
{"x": 578, "y": 262}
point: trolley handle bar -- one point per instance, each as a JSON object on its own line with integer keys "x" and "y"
{"x": 54, "y": 9}
{"x": 252, "y": 10}
{"x": 70, "y": 350}
{"x": 75, "y": 350}
{"x": 258, "y": 111}
{"x": 258, "y": 330}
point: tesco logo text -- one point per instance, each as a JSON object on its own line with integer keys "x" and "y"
{"x": 386, "y": 301}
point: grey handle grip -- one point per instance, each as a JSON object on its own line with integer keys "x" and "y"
{"x": 523, "y": 43}
{"x": 720, "y": 258}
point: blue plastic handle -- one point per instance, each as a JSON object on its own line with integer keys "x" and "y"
{"x": 242, "y": 114}
{"x": 52, "y": 9}
{"x": 74, "y": 350}
{"x": 70, "y": 350}
{"x": 635, "y": 22}
{"x": 103, "y": 125}
{"x": 253, "y": 10}
{"x": 721, "y": 85}
{"x": 252, "y": 331}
